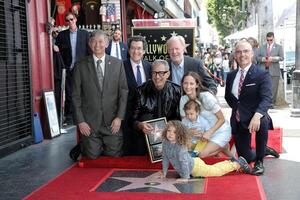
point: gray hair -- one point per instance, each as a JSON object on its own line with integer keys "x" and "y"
{"x": 161, "y": 62}
{"x": 98, "y": 33}
{"x": 178, "y": 38}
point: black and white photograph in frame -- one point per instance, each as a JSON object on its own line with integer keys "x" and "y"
{"x": 154, "y": 139}
{"x": 51, "y": 112}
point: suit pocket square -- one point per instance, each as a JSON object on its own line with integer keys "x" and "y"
{"x": 251, "y": 84}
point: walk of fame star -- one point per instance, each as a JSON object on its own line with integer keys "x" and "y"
{"x": 148, "y": 181}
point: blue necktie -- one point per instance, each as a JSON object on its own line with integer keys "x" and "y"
{"x": 138, "y": 75}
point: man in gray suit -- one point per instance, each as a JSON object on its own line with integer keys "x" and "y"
{"x": 269, "y": 56}
{"x": 99, "y": 97}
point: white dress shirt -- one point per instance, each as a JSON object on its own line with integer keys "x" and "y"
{"x": 134, "y": 69}
{"x": 235, "y": 86}
{"x": 113, "y": 50}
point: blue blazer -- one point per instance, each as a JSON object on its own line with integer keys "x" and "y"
{"x": 132, "y": 85}
{"x": 255, "y": 96}
{"x": 65, "y": 49}
{"x": 123, "y": 48}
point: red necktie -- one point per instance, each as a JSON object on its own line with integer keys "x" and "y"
{"x": 242, "y": 78}
{"x": 267, "y": 64}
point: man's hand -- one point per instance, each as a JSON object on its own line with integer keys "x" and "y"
{"x": 255, "y": 123}
{"x": 55, "y": 48}
{"x": 145, "y": 127}
{"x": 115, "y": 125}
{"x": 84, "y": 128}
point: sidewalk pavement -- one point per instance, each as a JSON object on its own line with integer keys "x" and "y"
{"x": 281, "y": 116}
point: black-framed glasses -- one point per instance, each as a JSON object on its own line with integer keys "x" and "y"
{"x": 69, "y": 20}
{"x": 159, "y": 73}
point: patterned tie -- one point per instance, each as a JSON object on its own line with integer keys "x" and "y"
{"x": 242, "y": 78}
{"x": 138, "y": 76}
{"x": 267, "y": 64}
{"x": 100, "y": 73}
{"x": 117, "y": 51}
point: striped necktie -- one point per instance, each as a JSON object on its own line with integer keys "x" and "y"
{"x": 100, "y": 73}
{"x": 242, "y": 78}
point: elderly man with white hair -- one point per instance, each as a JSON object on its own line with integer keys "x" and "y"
{"x": 181, "y": 64}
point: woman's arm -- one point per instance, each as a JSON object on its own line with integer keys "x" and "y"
{"x": 207, "y": 134}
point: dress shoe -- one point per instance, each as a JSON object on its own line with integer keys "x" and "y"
{"x": 258, "y": 168}
{"x": 271, "y": 152}
{"x": 243, "y": 164}
{"x": 75, "y": 153}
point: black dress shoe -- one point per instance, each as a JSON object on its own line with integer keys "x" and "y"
{"x": 244, "y": 165}
{"x": 258, "y": 168}
{"x": 271, "y": 152}
{"x": 75, "y": 152}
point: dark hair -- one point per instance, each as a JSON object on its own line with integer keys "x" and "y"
{"x": 192, "y": 104}
{"x": 69, "y": 13}
{"x": 137, "y": 38}
{"x": 198, "y": 80}
{"x": 182, "y": 134}
{"x": 270, "y": 34}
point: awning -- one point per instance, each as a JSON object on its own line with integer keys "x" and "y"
{"x": 248, "y": 32}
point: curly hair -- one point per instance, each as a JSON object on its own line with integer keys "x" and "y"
{"x": 182, "y": 134}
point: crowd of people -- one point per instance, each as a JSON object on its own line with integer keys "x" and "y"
{"x": 113, "y": 91}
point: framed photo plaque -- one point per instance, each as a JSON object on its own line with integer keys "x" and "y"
{"x": 51, "y": 112}
{"x": 154, "y": 140}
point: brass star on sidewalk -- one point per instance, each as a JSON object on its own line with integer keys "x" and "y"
{"x": 149, "y": 181}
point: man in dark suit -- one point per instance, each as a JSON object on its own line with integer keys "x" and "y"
{"x": 116, "y": 48}
{"x": 180, "y": 64}
{"x": 137, "y": 72}
{"x": 248, "y": 92}
{"x": 269, "y": 56}
{"x": 73, "y": 46}
{"x": 99, "y": 98}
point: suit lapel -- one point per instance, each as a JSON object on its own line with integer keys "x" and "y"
{"x": 92, "y": 71}
{"x": 131, "y": 74}
{"x": 68, "y": 40}
{"x": 248, "y": 78}
{"x": 77, "y": 42}
{"x": 108, "y": 71}
{"x": 146, "y": 70}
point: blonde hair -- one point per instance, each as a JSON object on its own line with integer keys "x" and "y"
{"x": 182, "y": 134}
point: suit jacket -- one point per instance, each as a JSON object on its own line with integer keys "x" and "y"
{"x": 132, "y": 85}
{"x": 276, "y": 53}
{"x": 64, "y": 44}
{"x": 255, "y": 96}
{"x": 123, "y": 49}
{"x": 90, "y": 104}
{"x": 192, "y": 64}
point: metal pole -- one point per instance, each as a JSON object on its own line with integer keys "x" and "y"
{"x": 295, "y": 112}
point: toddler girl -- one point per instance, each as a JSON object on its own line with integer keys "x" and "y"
{"x": 175, "y": 151}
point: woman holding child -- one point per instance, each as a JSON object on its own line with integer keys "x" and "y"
{"x": 218, "y": 133}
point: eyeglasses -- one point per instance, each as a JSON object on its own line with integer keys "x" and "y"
{"x": 245, "y": 51}
{"x": 69, "y": 20}
{"x": 159, "y": 73}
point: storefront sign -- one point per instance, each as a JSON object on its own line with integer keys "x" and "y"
{"x": 157, "y": 37}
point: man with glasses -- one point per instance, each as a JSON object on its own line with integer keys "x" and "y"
{"x": 181, "y": 64}
{"x": 269, "y": 56}
{"x": 156, "y": 98}
{"x": 137, "y": 72}
{"x": 73, "y": 45}
{"x": 248, "y": 92}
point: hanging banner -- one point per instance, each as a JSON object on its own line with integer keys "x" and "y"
{"x": 157, "y": 37}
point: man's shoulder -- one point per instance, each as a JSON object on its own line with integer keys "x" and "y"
{"x": 84, "y": 60}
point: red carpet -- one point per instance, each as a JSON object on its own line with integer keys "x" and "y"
{"x": 78, "y": 183}
{"x": 274, "y": 139}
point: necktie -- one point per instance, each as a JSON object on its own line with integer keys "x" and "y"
{"x": 117, "y": 51}
{"x": 242, "y": 78}
{"x": 100, "y": 73}
{"x": 138, "y": 75}
{"x": 267, "y": 64}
